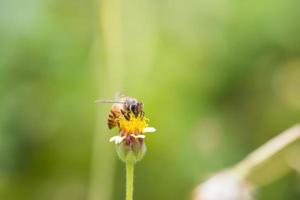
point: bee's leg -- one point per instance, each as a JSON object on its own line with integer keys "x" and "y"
{"x": 126, "y": 115}
{"x": 142, "y": 114}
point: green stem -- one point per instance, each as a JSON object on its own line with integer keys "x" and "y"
{"x": 129, "y": 178}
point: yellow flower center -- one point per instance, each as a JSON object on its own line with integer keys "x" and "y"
{"x": 135, "y": 125}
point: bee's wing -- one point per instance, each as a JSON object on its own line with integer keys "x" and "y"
{"x": 107, "y": 101}
{"x": 119, "y": 96}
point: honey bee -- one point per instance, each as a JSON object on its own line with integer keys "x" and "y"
{"x": 123, "y": 106}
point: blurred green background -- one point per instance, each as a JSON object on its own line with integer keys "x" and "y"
{"x": 218, "y": 79}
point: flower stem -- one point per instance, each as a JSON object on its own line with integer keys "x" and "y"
{"x": 129, "y": 178}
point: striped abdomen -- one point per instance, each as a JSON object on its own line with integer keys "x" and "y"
{"x": 113, "y": 118}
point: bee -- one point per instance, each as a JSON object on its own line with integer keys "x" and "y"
{"x": 123, "y": 106}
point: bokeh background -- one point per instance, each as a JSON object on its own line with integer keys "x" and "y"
{"x": 218, "y": 79}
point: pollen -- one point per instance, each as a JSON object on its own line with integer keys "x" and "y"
{"x": 135, "y": 125}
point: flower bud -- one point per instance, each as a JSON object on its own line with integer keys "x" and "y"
{"x": 131, "y": 149}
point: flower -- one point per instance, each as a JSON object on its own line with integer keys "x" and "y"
{"x": 130, "y": 143}
{"x": 132, "y": 130}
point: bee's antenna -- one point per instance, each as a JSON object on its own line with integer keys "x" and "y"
{"x": 108, "y": 101}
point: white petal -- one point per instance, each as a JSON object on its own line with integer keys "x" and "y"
{"x": 117, "y": 139}
{"x": 149, "y": 130}
{"x": 114, "y": 138}
{"x": 138, "y": 136}
{"x": 121, "y": 139}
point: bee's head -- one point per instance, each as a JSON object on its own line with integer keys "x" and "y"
{"x": 136, "y": 108}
